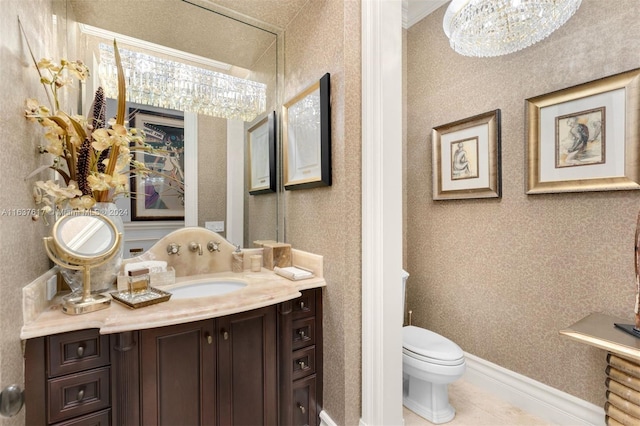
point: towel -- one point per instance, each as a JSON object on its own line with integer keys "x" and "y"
{"x": 293, "y": 273}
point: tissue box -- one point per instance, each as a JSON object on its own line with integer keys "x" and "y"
{"x": 156, "y": 279}
{"x": 276, "y": 254}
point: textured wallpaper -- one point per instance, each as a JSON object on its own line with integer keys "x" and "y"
{"x": 500, "y": 277}
{"x": 325, "y": 37}
{"x": 21, "y": 248}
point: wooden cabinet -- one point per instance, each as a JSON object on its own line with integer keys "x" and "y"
{"x": 247, "y": 368}
{"x": 300, "y": 343}
{"x": 68, "y": 379}
{"x": 178, "y": 374}
{"x": 221, "y": 371}
{"x": 261, "y": 367}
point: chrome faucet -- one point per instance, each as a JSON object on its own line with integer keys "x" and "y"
{"x": 196, "y": 247}
{"x": 211, "y": 246}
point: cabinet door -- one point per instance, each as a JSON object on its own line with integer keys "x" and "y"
{"x": 177, "y": 370}
{"x": 247, "y": 368}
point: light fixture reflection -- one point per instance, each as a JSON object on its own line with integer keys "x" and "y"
{"x": 167, "y": 84}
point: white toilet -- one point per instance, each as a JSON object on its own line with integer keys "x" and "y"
{"x": 429, "y": 363}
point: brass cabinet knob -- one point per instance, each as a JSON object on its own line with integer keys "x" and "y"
{"x": 209, "y": 338}
{"x": 301, "y": 408}
{"x": 225, "y": 334}
{"x": 80, "y": 351}
{"x": 80, "y": 394}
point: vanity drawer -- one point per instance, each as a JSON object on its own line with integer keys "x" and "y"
{"x": 77, "y": 351}
{"x": 304, "y": 363}
{"x": 303, "y": 333}
{"x": 304, "y": 402}
{"x": 101, "y": 418}
{"x": 305, "y": 305}
{"x": 78, "y": 394}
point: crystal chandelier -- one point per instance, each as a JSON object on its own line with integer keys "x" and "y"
{"x": 498, "y": 27}
{"x": 174, "y": 85}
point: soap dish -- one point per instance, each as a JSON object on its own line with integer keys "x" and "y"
{"x": 151, "y": 297}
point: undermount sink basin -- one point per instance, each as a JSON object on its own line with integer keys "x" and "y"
{"x": 206, "y": 288}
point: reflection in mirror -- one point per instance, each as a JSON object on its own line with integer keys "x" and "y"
{"x": 84, "y": 235}
{"x": 220, "y": 46}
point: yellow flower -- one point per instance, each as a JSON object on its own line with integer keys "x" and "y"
{"x": 99, "y": 182}
{"x": 120, "y": 183}
{"x": 82, "y": 203}
{"x": 102, "y": 140}
{"x": 46, "y": 63}
{"x": 55, "y": 144}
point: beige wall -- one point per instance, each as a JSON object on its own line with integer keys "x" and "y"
{"x": 325, "y": 37}
{"x": 501, "y": 277}
{"x": 21, "y": 249}
{"x": 212, "y": 169}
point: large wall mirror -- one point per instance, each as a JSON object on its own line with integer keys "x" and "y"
{"x": 213, "y": 154}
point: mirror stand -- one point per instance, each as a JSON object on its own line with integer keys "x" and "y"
{"x": 59, "y": 252}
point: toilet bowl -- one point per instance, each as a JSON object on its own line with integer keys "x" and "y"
{"x": 429, "y": 363}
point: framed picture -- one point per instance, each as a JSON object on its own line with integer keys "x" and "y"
{"x": 585, "y": 138}
{"x": 261, "y": 139}
{"x": 307, "y": 137}
{"x": 160, "y": 194}
{"x": 466, "y": 158}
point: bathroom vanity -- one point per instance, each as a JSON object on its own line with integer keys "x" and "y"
{"x": 262, "y": 366}
{"x": 249, "y": 356}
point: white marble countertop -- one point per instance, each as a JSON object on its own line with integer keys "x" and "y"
{"x": 263, "y": 288}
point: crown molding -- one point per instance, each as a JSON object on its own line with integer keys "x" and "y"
{"x": 414, "y": 11}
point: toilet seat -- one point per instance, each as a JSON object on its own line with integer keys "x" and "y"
{"x": 427, "y": 346}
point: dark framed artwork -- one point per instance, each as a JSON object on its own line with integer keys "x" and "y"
{"x": 466, "y": 158}
{"x": 261, "y": 140}
{"x": 585, "y": 137}
{"x": 307, "y": 137}
{"x": 160, "y": 194}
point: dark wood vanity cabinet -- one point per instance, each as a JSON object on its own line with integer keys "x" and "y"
{"x": 300, "y": 323}
{"x": 221, "y": 371}
{"x": 67, "y": 380}
{"x": 260, "y": 367}
{"x": 178, "y": 374}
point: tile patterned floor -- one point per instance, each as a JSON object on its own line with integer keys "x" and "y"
{"x": 476, "y": 407}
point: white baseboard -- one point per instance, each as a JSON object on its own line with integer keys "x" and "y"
{"x": 543, "y": 401}
{"x": 326, "y": 420}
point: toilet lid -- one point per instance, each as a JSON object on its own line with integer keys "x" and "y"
{"x": 430, "y": 346}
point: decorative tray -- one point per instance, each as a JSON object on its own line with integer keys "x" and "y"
{"x": 151, "y": 297}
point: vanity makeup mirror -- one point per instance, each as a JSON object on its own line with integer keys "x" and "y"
{"x": 81, "y": 241}
{"x": 241, "y": 50}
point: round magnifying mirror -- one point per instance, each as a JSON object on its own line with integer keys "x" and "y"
{"x": 82, "y": 241}
{"x": 84, "y": 237}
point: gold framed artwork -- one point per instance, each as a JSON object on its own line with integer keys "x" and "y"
{"x": 306, "y": 137}
{"x": 585, "y": 137}
{"x": 466, "y": 158}
{"x": 261, "y": 140}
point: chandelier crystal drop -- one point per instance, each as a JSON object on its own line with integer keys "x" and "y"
{"x": 174, "y": 85}
{"x": 488, "y": 28}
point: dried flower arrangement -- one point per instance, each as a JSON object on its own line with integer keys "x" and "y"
{"x": 93, "y": 156}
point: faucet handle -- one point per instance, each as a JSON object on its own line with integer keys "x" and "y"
{"x": 211, "y": 246}
{"x": 173, "y": 248}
